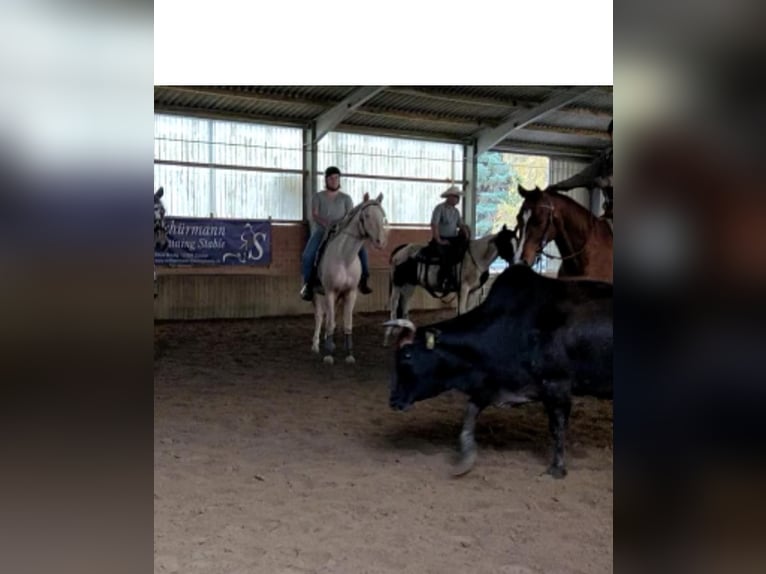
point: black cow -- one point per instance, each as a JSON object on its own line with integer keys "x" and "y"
{"x": 533, "y": 339}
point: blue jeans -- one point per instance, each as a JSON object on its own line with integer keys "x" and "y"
{"x": 310, "y": 253}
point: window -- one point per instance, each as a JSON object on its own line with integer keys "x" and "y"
{"x": 228, "y": 169}
{"x": 411, "y": 174}
{"x": 497, "y": 199}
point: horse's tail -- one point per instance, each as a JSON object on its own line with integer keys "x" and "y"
{"x": 395, "y": 251}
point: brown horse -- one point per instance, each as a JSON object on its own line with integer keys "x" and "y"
{"x": 583, "y": 240}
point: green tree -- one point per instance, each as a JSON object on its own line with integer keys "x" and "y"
{"x": 494, "y": 180}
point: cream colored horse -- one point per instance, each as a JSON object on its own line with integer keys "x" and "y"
{"x": 339, "y": 271}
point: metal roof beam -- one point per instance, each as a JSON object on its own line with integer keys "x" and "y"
{"x": 488, "y": 137}
{"x": 229, "y": 116}
{"x": 584, "y": 132}
{"x": 335, "y": 115}
{"x": 434, "y": 136}
{"x": 580, "y": 110}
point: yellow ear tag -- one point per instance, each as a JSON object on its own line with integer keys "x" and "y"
{"x": 430, "y": 341}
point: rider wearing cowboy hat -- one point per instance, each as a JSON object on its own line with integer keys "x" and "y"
{"x": 446, "y": 227}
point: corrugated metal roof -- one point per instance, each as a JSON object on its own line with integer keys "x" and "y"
{"x": 457, "y": 130}
{"x": 452, "y": 113}
{"x": 441, "y": 106}
{"x": 508, "y": 93}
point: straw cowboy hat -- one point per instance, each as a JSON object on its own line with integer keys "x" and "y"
{"x": 452, "y": 191}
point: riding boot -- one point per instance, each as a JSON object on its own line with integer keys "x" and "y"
{"x": 316, "y": 284}
{"x": 307, "y": 292}
{"x": 363, "y": 287}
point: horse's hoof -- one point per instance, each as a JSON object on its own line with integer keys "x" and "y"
{"x": 315, "y": 349}
{"x": 328, "y": 359}
{"x": 464, "y": 465}
{"x": 350, "y": 360}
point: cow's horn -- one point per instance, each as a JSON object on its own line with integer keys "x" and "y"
{"x": 403, "y": 323}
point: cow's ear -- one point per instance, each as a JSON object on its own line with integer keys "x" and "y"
{"x": 430, "y": 340}
{"x": 432, "y": 336}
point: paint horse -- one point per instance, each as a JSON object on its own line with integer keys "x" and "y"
{"x": 583, "y": 240}
{"x": 160, "y": 231}
{"x": 339, "y": 271}
{"x": 411, "y": 267}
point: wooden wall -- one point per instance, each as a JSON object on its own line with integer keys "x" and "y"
{"x": 229, "y": 292}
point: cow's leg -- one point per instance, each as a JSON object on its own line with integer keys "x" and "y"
{"x": 329, "y": 343}
{"x": 348, "y": 324}
{"x": 558, "y": 404}
{"x": 467, "y": 441}
{"x": 404, "y": 302}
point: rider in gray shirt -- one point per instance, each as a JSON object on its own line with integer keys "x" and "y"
{"x": 328, "y": 207}
{"x": 446, "y": 225}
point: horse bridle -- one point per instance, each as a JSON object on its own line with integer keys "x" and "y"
{"x": 361, "y": 222}
{"x": 548, "y": 223}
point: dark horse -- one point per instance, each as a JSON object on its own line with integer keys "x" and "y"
{"x": 160, "y": 231}
{"x": 583, "y": 240}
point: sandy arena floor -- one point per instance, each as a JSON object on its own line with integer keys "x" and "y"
{"x": 268, "y": 461}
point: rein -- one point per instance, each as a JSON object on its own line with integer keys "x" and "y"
{"x": 541, "y": 249}
{"x": 351, "y": 215}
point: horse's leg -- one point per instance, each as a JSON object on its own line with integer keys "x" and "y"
{"x": 318, "y": 317}
{"x": 407, "y": 292}
{"x": 462, "y": 297}
{"x": 348, "y": 324}
{"x": 329, "y": 344}
{"x": 393, "y": 304}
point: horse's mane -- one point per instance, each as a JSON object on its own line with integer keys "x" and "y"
{"x": 591, "y": 219}
{"x": 336, "y": 227}
{"x": 571, "y": 201}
